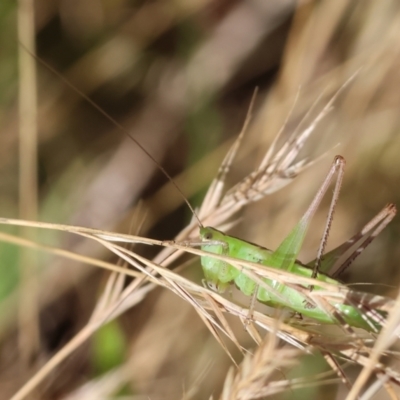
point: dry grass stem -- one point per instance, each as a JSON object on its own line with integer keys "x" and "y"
{"x": 256, "y": 375}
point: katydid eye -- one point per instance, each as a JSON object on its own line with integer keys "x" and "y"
{"x": 208, "y": 236}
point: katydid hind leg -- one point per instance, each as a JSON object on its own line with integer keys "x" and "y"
{"x": 367, "y": 234}
{"x": 378, "y": 224}
{"x": 339, "y": 168}
{"x": 290, "y": 247}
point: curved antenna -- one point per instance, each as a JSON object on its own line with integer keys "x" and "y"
{"x": 118, "y": 125}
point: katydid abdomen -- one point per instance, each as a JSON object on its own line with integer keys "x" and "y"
{"x": 219, "y": 275}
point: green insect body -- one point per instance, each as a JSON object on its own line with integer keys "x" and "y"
{"x": 219, "y": 275}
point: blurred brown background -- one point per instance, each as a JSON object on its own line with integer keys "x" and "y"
{"x": 179, "y": 77}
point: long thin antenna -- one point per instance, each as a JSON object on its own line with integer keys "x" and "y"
{"x": 117, "y": 124}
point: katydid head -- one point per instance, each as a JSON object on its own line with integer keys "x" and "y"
{"x": 215, "y": 271}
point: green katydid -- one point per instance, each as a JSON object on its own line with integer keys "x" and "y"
{"x": 219, "y": 274}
